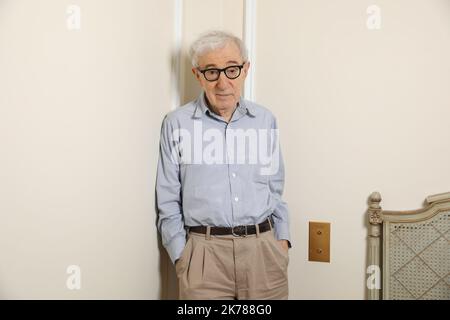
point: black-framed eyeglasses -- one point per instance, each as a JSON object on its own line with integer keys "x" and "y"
{"x": 231, "y": 72}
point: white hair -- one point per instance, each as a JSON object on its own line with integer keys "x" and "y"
{"x": 213, "y": 40}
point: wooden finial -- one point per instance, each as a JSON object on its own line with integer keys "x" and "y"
{"x": 375, "y": 208}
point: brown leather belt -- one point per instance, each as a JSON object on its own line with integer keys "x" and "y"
{"x": 238, "y": 231}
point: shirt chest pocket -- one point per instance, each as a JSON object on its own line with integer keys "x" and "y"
{"x": 260, "y": 179}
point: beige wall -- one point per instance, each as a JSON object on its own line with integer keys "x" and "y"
{"x": 359, "y": 110}
{"x": 80, "y": 111}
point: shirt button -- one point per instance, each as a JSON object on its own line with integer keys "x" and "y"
{"x": 236, "y": 199}
{"x": 234, "y": 175}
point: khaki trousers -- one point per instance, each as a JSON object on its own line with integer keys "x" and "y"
{"x": 229, "y": 267}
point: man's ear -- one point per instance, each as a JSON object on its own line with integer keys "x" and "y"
{"x": 196, "y": 73}
{"x": 246, "y": 67}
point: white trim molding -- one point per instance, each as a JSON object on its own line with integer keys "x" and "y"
{"x": 250, "y": 42}
{"x": 176, "y": 83}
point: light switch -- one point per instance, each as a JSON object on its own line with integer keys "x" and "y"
{"x": 319, "y": 241}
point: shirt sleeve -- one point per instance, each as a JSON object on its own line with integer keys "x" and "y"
{"x": 276, "y": 184}
{"x": 168, "y": 195}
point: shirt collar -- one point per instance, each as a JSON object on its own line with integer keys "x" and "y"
{"x": 201, "y": 107}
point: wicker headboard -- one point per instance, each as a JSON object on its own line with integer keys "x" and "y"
{"x": 409, "y": 250}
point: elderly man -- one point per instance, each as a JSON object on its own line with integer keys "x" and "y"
{"x": 219, "y": 184}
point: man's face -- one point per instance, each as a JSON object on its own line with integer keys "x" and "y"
{"x": 223, "y": 94}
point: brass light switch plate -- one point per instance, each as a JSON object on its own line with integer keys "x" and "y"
{"x": 319, "y": 241}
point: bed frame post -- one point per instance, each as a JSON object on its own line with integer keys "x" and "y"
{"x": 375, "y": 220}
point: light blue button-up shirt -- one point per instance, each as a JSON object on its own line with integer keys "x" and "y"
{"x": 214, "y": 173}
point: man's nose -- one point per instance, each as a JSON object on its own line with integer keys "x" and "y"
{"x": 222, "y": 81}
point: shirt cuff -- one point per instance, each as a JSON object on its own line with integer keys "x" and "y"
{"x": 282, "y": 232}
{"x": 175, "y": 248}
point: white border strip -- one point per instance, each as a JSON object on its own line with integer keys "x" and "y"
{"x": 176, "y": 62}
{"x": 250, "y": 42}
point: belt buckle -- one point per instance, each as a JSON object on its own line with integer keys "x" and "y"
{"x": 241, "y": 229}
